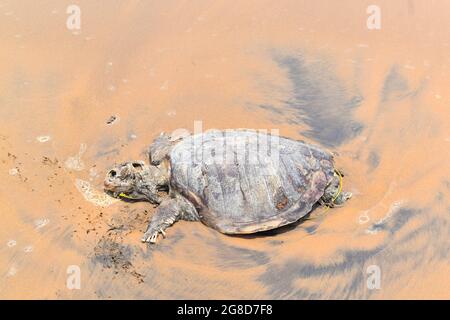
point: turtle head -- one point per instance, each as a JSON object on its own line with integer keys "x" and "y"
{"x": 134, "y": 180}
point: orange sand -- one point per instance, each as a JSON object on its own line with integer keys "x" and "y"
{"x": 162, "y": 65}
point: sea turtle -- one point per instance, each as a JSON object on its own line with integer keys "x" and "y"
{"x": 236, "y": 181}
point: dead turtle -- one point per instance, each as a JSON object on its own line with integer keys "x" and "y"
{"x": 235, "y": 181}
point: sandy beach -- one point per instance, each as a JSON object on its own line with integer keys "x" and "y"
{"x": 75, "y": 102}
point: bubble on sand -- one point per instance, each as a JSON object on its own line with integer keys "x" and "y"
{"x": 93, "y": 172}
{"x": 11, "y": 243}
{"x": 164, "y": 86}
{"x": 28, "y": 249}
{"x": 363, "y": 218}
{"x": 13, "y": 171}
{"x": 40, "y": 223}
{"x": 92, "y": 195}
{"x": 12, "y": 271}
{"x": 43, "y": 139}
{"x": 75, "y": 162}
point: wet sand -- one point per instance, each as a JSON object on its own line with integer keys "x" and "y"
{"x": 311, "y": 69}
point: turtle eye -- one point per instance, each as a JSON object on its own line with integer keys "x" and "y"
{"x": 113, "y": 173}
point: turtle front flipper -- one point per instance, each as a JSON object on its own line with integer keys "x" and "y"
{"x": 163, "y": 144}
{"x": 169, "y": 211}
{"x": 165, "y": 216}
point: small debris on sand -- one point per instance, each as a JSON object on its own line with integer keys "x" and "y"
{"x": 111, "y": 253}
{"x": 112, "y": 120}
{"x": 75, "y": 162}
{"x": 28, "y": 249}
{"x": 40, "y": 223}
{"x": 43, "y": 139}
{"x": 48, "y": 161}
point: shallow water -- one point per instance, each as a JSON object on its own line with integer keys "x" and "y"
{"x": 379, "y": 99}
